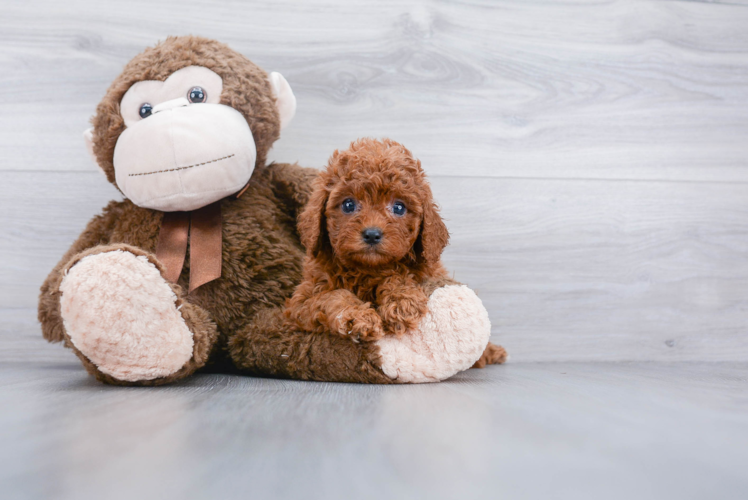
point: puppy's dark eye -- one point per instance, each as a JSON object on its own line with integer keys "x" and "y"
{"x": 145, "y": 110}
{"x": 348, "y": 206}
{"x": 197, "y": 95}
{"x": 398, "y": 208}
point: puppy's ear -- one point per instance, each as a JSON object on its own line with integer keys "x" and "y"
{"x": 312, "y": 220}
{"x": 434, "y": 235}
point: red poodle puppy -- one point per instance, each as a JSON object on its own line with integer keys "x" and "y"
{"x": 373, "y": 236}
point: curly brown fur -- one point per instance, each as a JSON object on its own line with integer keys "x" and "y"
{"x": 358, "y": 288}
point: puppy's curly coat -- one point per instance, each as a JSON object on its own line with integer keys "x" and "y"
{"x": 373, "y": 235}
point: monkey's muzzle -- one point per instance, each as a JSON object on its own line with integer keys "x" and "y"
{"x": 184, "y": 156}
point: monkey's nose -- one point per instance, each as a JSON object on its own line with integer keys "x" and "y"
{"x": 174, "y": 103}
{"x": 372, "y": 235}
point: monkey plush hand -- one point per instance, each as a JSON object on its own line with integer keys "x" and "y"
{"x": 193, "y": 266}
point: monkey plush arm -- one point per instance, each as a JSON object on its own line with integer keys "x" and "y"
{"x": 270, "y": 345}
{"x": 97, "y": 232}
{"x": 292, "y": 185}
{"x": 450, "y": 339}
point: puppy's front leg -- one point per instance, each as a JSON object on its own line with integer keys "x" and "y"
{"x": 338, "y": 311}
{"x": 348, "y": 316}
{"x": 402, "y": 304}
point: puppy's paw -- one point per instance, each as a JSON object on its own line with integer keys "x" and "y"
{"x": 403, "y": 312}
{"x": 367, "y": 325}
{"x": 360, "y": 323}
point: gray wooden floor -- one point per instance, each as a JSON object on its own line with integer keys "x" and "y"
{"x": 526, "y": 430}
{"x": 591, "y": 159}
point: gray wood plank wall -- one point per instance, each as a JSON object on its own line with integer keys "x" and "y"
{"x": 591, "y": 157}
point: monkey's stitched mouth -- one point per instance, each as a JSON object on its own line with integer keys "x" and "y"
{"x": 182, "y": 168}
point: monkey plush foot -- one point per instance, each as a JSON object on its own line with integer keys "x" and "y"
{"x": 123, "y": 316}
{"x": 449, "y": 339}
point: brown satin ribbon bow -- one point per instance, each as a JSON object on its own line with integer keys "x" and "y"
{"x": 202, "y": 228}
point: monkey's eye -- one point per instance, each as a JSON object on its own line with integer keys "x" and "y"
{"x": 145, "y": 110}
{"x": 398, "y": 208}
{"x": 348, "y": 206}
{"x": 197, "y": 95}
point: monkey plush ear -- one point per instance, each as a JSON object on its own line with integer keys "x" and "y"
{"x": 285, "y": 100}
{"x": 88, "y": 139}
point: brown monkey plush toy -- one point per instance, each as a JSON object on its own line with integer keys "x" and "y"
{"x": 191, "y": 269}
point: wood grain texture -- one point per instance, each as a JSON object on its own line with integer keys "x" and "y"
{"x": 606, "y": 89}
{"x": 591, "y": 157}
{"x": 524, "y": 430}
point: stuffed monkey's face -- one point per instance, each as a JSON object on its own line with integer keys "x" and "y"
{"x": 182, "y": 149}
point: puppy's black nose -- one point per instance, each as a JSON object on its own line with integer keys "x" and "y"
{"x": 372, "y": 235}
